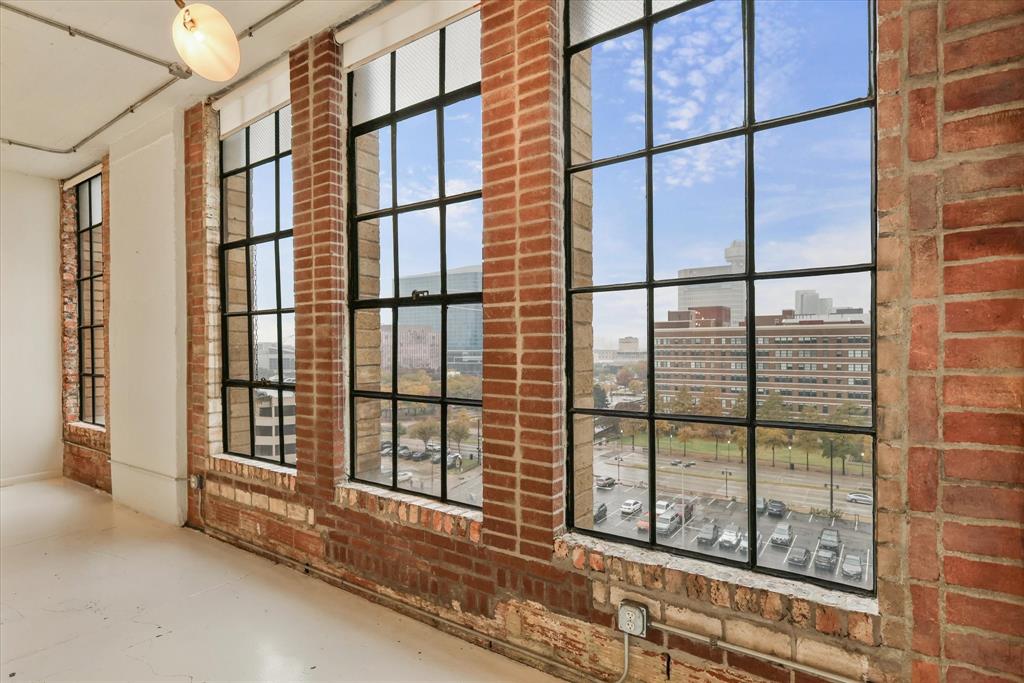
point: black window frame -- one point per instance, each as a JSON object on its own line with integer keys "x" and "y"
{"x": 83, "y": 281}
{"x": 443, "y": 300}
{"x": 252, "y": 384}
{"x": 749, "y": 276}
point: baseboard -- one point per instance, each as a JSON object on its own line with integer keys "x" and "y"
{"x": 38, "y": 476}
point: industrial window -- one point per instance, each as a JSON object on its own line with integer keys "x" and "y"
{"x": 91, "y": 297}
{"x": 257, "y": 290}
{"x": 416, "y": 220}
{"x": 720, "y": 192}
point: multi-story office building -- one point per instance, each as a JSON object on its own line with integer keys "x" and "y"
{"x": 274, "y": 417}
{"x": 730, "y": 294}
{"x": 627, "y": 353}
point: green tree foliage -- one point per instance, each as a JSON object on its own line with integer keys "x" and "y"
{"x": 458, "y": 429}
{"x": 773, "y": 439}
{"x": 425, "y": 430}
{"x": 600, "y": 397}
{"x": 464, "y": 386}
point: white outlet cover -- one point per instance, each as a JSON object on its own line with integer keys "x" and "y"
{"x": 633, "y": 619}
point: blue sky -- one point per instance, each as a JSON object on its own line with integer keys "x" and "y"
{"x": 812, "y": 180}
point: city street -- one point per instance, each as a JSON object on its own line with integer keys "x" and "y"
{"x": 704, "y": 485}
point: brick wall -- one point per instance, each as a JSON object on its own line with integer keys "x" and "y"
{"x": 86, "y": 447}
{"x": 950, "y": 362}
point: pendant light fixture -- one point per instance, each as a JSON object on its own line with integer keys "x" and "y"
{"x": 206, "y": 41}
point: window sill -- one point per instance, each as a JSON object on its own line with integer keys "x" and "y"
{"x": 251, "y": 468}
{"x": 88, "y": 426}
{"x": 411, "y": 510}
{"x": 586, "y": 551}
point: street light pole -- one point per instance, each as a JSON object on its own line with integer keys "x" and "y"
{"x": 727, "y": 473}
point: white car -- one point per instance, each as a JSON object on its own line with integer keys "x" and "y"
{"x": 662, "y": 506}
{"x": 404, "y": 478}
{"x": 630, "y": 507}
{"x": 862, "y": 498}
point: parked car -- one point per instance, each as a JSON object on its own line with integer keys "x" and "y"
{"x": 825, "y": 559}
{"x": 761, "y": 505}
{"x": 662, "y": 506}
{"x": 783, "y": 535}
{"x": 600, "y": 513}
{"x": 454, "y": 461}
{"x": 404, "y": 478}
{"x": 776, "y": 508}
{"x": 860, "y": 498}
{"x": 708, "y": 534}
{"x": 692, "y": 463}
{"x": 829, "y": 539}
{"x": 630, "y": 507}
{"x": 852, "y": 566}
{"x": 668, "y": 523}
{"x": 643, "y": 525}
{"x": 730, "y": 537}
{"x": 799, "y": 556}
{"x": 605, "y": 482}
{"x": 404, "y": 452}
{"x": 676, "y": 463}
{"x": 419, "y": 456}
{"x": 744, "y": 546}
{"x": 385, "y": 446}
{"x": 433, "y": 448}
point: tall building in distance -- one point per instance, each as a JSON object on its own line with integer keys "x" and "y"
{"x": 729, "y": 294}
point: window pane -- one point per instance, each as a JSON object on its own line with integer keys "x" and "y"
{"x": 465, "y": 350}
{"x": 371, "y": 90}
{"x": 99, "y": 366}
{"x": 373, "y": 171}
{"x": 83, "y": 205}
{"x": 814, "y": 349}
{"x": 610, "y": 349}
{"x": 813, "y": 185}
{"x": 700, "y": 349}
{"x": 702, "y": 488}
{"x": 288, "y": 347}
{"x": 658, "y": 5}
{"x": 96, "y": 199}
{"x": 607, "y": 91}
{"x": 99, "y": 408}
{"x": 263, "y": 204}
{"x": 234, "y": 207}
{"x": 85, "y": 411}
{"x": 809, "y": 54}
{"x": 84, "y": 257}
{"x": 96, "y": 249}
{"x": 87, "y": 350}
{"x": 233, "y": 151}
{"x": 698, "y": 72}
{"x": 284, "y": 123}
{"x": 235, "y": 290}
{"x": 285, "y": 208}
{"x": 98, "y": 298}
{"x": 462, "y": 147}
{"x": 417, "y": 70}
{"x": 462, "y": 53}
{"x": 419, "y": 350}
{"x": 419, "y": 252}
{"x": 464, "y": 252}
{"x": 464, "y": 459}
{"x": 264, "y": 346}
{"x": 611, "y": 469}
{"x": 286, "y": 259}
{"x": 419, "y": 430}
{"x": 288, "y": 417}
{"x": 264, "y": 276}
{"x": 373, "y": 350}
{"x": 417, "y": 158}
{"x": 376, "y": 258}
{"x": 609, "y": 224}
{"x": 815, "y": 503}
{"x": 373, "y": 461}
{"x": 699, "y": 213}
{"x": 238, "y": 347}
{"x": 238, "y": 421}
{"x": 267, "y": 405}
{"x": 85, "y": 307}
{"x": 261, "y": 139}
{"x": 588, "y": 18}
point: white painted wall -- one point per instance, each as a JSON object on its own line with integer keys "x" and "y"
{"x": 30, "y": 409}
{"x": 147, "y": 320}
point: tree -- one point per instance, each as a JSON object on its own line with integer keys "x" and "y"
{"x": 682, "y": 402}
{"x": 807, "y": 441}
{"x": 773, "y": 408}
{"x": 458, "y": 429}
{"x": 710, "y": 402}
{"x": 600, "y": 397}
{"x": 739, "y": 405}
{"x": 636, "y": 386}
{"x": 739, "y": 435}
{"x": 773, "y": 438}
{"x": 664, "y": 428}
{"x": 623, "y": 376}
{"x": 464, "y": 386}
{"x": 685, "y": 434}
{"x": 418, "y": 382}
{"x": 425, "y": 430}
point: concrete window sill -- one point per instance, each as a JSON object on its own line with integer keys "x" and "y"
{"x": 412, "y": 510}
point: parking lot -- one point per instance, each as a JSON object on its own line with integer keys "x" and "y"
{"x": 704, "y": 484}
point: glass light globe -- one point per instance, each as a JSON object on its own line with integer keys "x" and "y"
{"x": 206, "y": 42}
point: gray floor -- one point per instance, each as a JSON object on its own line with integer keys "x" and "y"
{"x": 91, "y": 591}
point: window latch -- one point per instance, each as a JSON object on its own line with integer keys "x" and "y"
{"x": 417, "y": 293}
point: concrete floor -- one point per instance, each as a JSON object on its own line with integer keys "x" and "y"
{"x": 91, "y": 591}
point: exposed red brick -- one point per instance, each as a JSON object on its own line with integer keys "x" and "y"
{"x": 922, "y": 52}
{"x": 996, "y": 654}
{"x": 990, "y": 576}
{"x": 961, "y": 246}
{"x": 985, "y": 130}
{"x": 984, "y": 391}
{"x": 926, "y": 619}
{"x": 990, "y": 615}
{"x": 985, "y": 315}
{"x": 978, "y": 176}
{"x": 987, "y": 211}
{"x": 993, "y": 47}
{"x": 995, "y": 466}
{"x": 984, "y": 502}
{"x": 960, "y": 14}
{"x": 997, "y": 429}
{"x": 984, "y": 91}
{"x": 993, "y": 541}
{"x": 922, "y": 135}
{"x": 984, "y": 277}
{"x": 923, "y": 487}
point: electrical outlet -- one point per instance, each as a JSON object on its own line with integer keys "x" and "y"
{"x": 633, "y": 618}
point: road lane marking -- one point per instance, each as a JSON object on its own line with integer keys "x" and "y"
{"x": 842, "y": 551}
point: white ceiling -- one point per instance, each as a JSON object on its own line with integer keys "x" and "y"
{"x": 56, "y": 89}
